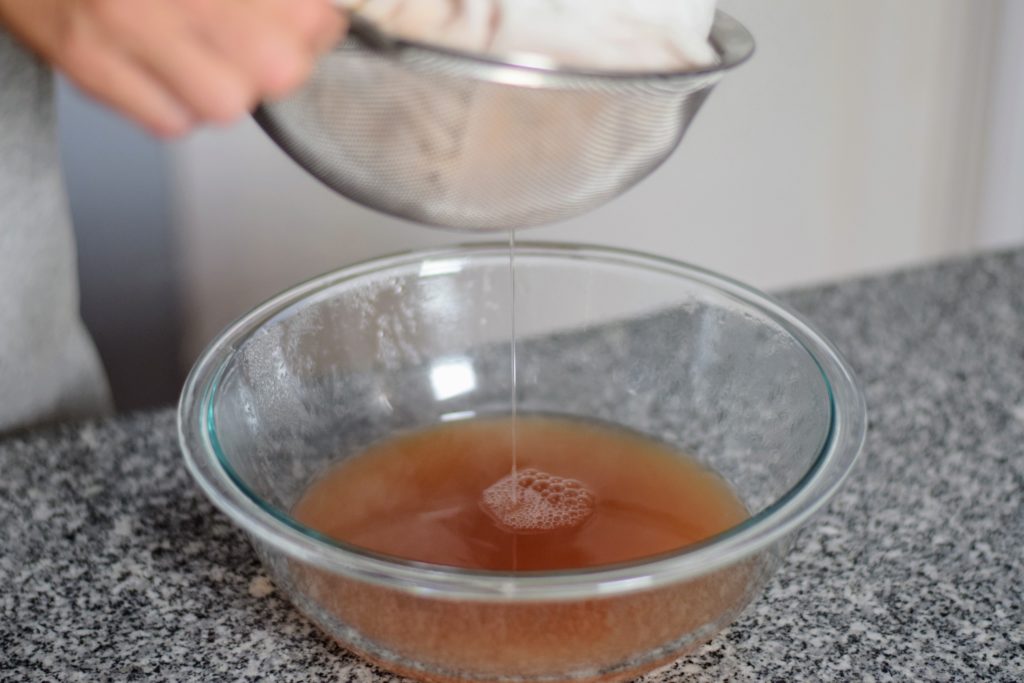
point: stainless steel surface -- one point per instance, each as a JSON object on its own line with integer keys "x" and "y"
{"x": 476, "y": 143}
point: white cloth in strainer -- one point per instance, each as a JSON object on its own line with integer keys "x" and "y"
{"x": 616, "y": 35}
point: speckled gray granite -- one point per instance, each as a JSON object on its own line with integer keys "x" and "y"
{"x": 114, "y": 567}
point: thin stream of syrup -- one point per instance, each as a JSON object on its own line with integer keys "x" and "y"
{"x": 514, "y": 378}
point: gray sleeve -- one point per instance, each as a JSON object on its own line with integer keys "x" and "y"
{"x": 49, "y": 368}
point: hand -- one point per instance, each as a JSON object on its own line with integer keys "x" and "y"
{"x": 171, "y": 64}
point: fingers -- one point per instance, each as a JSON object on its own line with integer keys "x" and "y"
{"x": 273, "y": 42}
{"x": 83, "y": 52}
{"x": 290, "y": 36}
{"x": 122, "y": 85}
{"x": 173, "y": 63}
{"x": 159, "y": 37}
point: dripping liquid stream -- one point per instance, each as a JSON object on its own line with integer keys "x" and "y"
{"x": 513, "y": 377}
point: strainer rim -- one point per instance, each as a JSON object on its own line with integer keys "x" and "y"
{"x": 733, "y": 43}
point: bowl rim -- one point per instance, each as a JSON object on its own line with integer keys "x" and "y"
{"x": 835, "y": 461}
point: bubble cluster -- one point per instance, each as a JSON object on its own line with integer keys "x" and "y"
{"x": 533, "y": 501}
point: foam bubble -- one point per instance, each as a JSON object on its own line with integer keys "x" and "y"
{"x": 533, "y": 501}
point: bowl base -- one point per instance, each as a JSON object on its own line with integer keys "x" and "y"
{"x": 618, "y": 676}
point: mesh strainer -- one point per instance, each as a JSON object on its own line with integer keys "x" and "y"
{"x": 474, "y": 143}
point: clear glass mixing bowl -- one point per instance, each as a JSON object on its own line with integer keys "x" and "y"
{"x": 694, "y": 359}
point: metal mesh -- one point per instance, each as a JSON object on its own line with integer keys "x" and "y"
{"x": 465, "y": 143}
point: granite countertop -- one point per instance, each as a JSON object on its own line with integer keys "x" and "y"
{"x": 114, "y": 567}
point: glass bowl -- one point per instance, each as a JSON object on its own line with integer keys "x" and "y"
{"x": 696, "y": 360}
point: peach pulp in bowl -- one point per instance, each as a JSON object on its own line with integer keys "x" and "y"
{"x": 621, "y": 501}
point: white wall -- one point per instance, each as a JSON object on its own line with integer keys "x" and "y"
{"x": 853, "y": 141}
{"x": 1001, "y": 215}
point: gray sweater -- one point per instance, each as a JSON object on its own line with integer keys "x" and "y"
{"x": 49, "y": 369}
